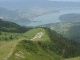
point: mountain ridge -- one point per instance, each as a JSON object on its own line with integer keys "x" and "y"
{"x": 49, "y": 46}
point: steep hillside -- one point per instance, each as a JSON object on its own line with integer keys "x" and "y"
{"x": 11, "y": 31}
{"x": 11, "y": 45}
{"x": 74, "y": 33}
{"x": 31, "y": 50}
{"x": 40, "y": 44}
{"x": 7, "y": 26}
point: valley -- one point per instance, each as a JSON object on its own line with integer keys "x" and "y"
{"x": 39, "y": 30}
{"x": 68, "y": 28}
{"x": 11, "y": 45}
{"x": 53, "y": 17}
{"x": 34, "y": 12}
{"x": 35, "y": 43}
{"x": 40, "y": 48}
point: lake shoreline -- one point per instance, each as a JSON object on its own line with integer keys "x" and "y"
{"x": 51, "y": 18}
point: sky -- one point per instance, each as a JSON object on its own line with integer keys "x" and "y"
{"x": 67, "y": 0}
{"x": 54, "y": 0}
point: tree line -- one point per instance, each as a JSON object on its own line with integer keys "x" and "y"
{"x": 63, "y": 46}
{"x": 7, "y": 26}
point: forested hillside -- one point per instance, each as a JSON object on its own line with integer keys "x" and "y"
{"x": 74, "y": 33}
{"x": 50, "y": 46}
{"x": 65, "y": 47}
{"x": 7, "y": 26}
{"x": 57, "y": 48}
{"x": 69, "y": 30}
{"x": 70, "y": 17}
{"x": 21, "y": 37}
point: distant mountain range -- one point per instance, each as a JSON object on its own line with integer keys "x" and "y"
{"x": 11, "y": 16}
{"x": 25, "y": 12}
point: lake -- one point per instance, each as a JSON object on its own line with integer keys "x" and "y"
{"x": 52, "y": 18}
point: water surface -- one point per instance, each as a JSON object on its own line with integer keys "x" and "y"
{"x": 52, "y": 18}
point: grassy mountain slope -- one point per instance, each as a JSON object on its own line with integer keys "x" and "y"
{"x": 11, "y": 44}
{"x": 51, "y": 46}
{"x": 33, "y": 49}
{"x": 5, "y": 36}
{"x": 33, "y": 32}
{"x": 30, "y": 50}
{"x": 5, "y": 49}
{"x": 11, "y": 31}
{"x": 38, "y": 44}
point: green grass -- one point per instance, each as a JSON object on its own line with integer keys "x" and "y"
{"x": 6, "y": 46}
{"x": 30, "y": 34}
{"x": 33, "y": 32}
{"x": 8, "y": 34}
{"x": 36, "y": 52}
{"x": 76, "y": 58}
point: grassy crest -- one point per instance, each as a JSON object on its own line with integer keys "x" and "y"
{"x": 50, "y": 46}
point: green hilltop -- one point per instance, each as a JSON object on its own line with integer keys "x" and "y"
{"x": 38, "y": 43}
{"x": 36, "y": 49}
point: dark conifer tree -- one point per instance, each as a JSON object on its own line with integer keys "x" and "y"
{"x": 11, "y": 37}
{"x": 0, "y": 33}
